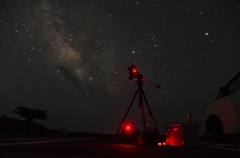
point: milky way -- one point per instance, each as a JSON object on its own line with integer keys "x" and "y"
{"x": 79, "y": 48}
{"x": 71, "y": 59}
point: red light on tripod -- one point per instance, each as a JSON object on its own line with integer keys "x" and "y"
{"x": 135, "y": 79}
{"x": 134, "y": 70}
{"x": 138, "y": 78}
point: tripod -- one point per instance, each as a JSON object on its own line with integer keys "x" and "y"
{"x": 142, "y": 96}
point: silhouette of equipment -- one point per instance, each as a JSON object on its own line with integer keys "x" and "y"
{"x": 137, "y": 77}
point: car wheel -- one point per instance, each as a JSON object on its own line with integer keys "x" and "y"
{"x": 214, "y": 127}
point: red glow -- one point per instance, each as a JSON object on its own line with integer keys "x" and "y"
{"x": 161, "y": 144}
{"x": 128, "y": 127}
{"x": 134, "y": 70}
{"x": 175, "y": 129}
{"x": 137, "y": 78}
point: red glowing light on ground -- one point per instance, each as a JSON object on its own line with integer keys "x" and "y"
{"x": 128, "y": 127}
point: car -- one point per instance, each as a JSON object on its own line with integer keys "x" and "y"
{"x": 223, "y": 116}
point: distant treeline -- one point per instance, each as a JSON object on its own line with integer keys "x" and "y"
{"x": 12, "y": 126}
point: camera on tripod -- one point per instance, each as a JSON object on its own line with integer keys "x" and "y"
{"x": 135, "y": 75}
{"x": 133, "y": 71}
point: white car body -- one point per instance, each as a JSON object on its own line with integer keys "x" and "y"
{"x": 223, "y": 115}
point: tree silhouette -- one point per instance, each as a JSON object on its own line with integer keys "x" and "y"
{"x": 29, "y": 115}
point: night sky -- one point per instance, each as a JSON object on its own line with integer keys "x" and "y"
{"x": 71, "y": 59}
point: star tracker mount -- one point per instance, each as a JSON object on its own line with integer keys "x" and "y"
{"x": 139, "y": 78}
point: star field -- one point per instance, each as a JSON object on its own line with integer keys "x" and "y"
{"x": 71, "y": 58}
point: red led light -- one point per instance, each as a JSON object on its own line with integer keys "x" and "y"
{"x": 128, "y": 127}
{"x": 134, "y": 71}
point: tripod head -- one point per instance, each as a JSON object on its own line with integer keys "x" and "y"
{"x": 139, "y": 78}
{"x": 133, "y": 71}
{"x": 135, "y": 75}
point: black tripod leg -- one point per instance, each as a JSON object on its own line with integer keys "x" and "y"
{"x": 126, "y": 114}
{"x": 142, "y": 107}
{"x": 150, "y": 112}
